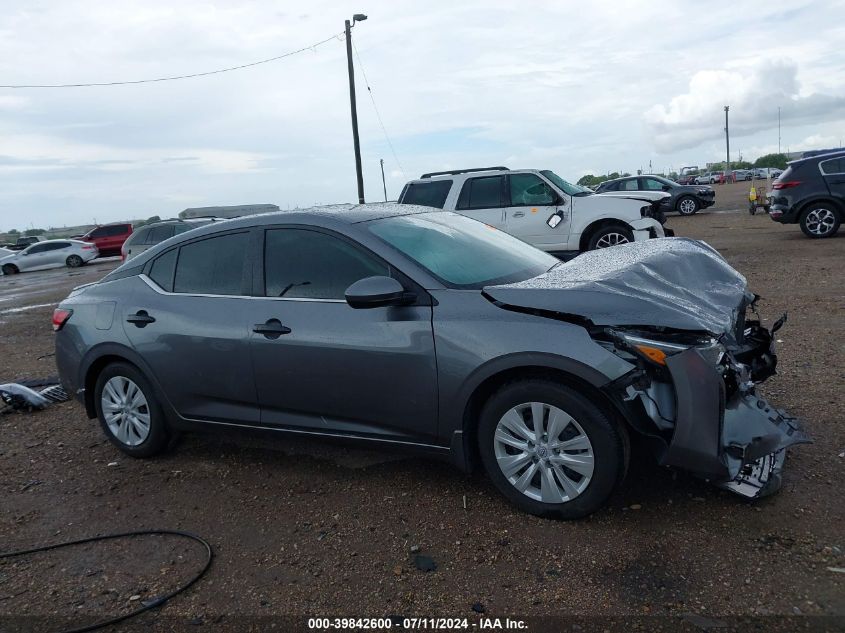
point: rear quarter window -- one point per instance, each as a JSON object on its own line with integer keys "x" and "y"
{"x": 427, "y": 194}
{"x": 161, "y": 272}
{"x": 833, "y": 166}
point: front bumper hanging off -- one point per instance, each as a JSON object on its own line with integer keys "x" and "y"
{"x": 739, "y": 444}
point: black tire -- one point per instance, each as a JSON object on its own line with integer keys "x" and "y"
{"x": 74, "y": 261}
{"x": 607, "y": 439}
{"x": 684, "y": 207}
{"x": 597, "y": 238}
{"x": 10, "y": 269}
{"x": 814, "y": 229}
{"x": 159, "y": 433}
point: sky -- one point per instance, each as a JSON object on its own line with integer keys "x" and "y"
{"x": 570, "y": 86}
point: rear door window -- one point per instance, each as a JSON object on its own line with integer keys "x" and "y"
{"x": 212, "y": 266}
{"x": 304, "y": 264}
{"x": 161, "y": 272}
{"x": 158, "y": 234}
{"x": 427, "y": 194}
{"x": 482, "y": 193}
{"x": 138, "y": 237}
{"x": 833, "y": 166}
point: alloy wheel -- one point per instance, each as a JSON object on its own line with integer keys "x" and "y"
{"x": 611, "y": 239}
{"x": 74, "y": 261}
{"x": 125, "y": 410}
{"x": 820, "y": 221}
{"x": 687, "y": 206}
{"x": 543, "y": 452}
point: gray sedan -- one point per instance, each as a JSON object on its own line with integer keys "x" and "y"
{"x": 394, "y": 325}
{"x": 49, "y": 254}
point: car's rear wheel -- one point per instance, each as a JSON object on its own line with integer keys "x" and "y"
{"x": 688, "y": 205}
{"x": 74, "y": 261}
{"x": 820, "y": 220}
{"x": 610, "y": 236}
{"x": 549, "y": 450}
{"x": 10, "y": 269}
{"x": 129, "y": 411}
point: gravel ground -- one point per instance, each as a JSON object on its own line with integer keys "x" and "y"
{"x": 325, "y": 530}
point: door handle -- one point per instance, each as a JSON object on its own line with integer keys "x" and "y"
{"x": 519, "y": 214}
{"x": 140, "y": 318}
{"x": 272, "y": 329}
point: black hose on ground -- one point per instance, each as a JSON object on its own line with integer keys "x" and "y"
{"x": 151, "y": 604}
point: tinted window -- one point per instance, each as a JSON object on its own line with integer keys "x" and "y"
{"x": 461, "y": 252}
{"x": 139, "y": 237}
{"x": 213, "y": 266}
{"x": 37, "y": 248}
{"x": 833, "y": 166}
{"x": 159, "y": 233}
{"x": 529, "y": 190}
{"x": 652, "y": 184}
{"x": 629, "y": 185}
{"x": 99, "y": 232}
{"x": 162, "y": 269}
{"x": 181, "y": 228}
{"x": 310, "y": 265}
{"x": 55, "y": 246}
{"x": 427, "y": 194}
{"x": 482, "y": 193}
{"x": 117, "y": 229}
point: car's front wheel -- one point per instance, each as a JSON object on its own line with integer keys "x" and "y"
{"x": 688, "y": 205}
{"x": 610, "y": 236}
{"x": 74, "y": 261}
{"x": 820, "y": 220}
{"x": 549, "y": 449}
{"x": 10, "y": 269}
{"x": 129, "y": 412}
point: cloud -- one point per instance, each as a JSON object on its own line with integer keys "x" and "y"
{"x": 753, "y": 93}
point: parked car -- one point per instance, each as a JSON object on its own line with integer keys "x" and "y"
{"x": 24, "y": 241}
{"x": 740, "y": 175}
{"x": 48, "y": 254}
{"x": 151, "y": 234}
{"x": 6, "y": 251}
{"x": 687, "y": 179}
{"x": 710, "y": 177}
{"x": 109, "y": 238}
{"x": 537, "y": 369}
{"x": 685, "y": 199}
{"x": 539, "y": 207}
{"x": 811, "y": 193}
{"x": 762, "y": 173}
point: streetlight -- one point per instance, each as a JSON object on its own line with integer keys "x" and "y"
{"x": 727, "y": 145}
{"x": 358, "y": 17}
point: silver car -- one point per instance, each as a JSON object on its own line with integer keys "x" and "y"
{"x": 49, "y": 254}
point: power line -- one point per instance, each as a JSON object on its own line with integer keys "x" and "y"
{"x": 191, "y": 76}
{"x": 375, "y": 107}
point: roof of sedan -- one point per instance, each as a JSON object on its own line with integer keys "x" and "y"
{"x": 349, "y": 213}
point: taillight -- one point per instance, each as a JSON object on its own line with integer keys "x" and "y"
{"x": 785, "y": 184}
{"x": 87, "y": 247}
{"x": 60, "y": 317}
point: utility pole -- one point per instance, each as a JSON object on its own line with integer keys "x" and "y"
{"x": 778, "y": 129}
{"x": 383, "y": 183}
{"x": 727, "y": 144}
{"x": 358, "y": 17}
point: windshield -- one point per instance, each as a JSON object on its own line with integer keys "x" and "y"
{"x": 566, "y": 187}
{"x": 461, "y": 252}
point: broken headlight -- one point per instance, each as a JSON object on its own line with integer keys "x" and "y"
{"x": 656, "y": 351}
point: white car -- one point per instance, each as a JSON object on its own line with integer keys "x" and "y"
{"x": 49, "y": 254}
{"x": 540, "y": 207}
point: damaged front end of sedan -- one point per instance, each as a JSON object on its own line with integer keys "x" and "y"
{"x": 685, "y": 321}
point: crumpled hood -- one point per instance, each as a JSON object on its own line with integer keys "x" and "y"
{"x": 668, "y": 282}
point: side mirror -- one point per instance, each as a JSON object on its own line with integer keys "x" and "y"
{"x": 377, "y": 292}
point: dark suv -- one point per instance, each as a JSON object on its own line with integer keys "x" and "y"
{"x": 811, "y": 193}
{"x": 685, "y": 199}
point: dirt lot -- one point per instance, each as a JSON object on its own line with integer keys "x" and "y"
{"x": 322, "y": 530}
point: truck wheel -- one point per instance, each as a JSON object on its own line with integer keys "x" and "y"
{"x": 688, "y": 205}
{"x": 550, "y": 450}
{"x": 820, "y": 220}
{"x": 610, "y": 236}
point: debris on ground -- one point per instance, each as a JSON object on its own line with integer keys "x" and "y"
{"x": 424, "y": 563}
{"x": 20, "y": 396}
